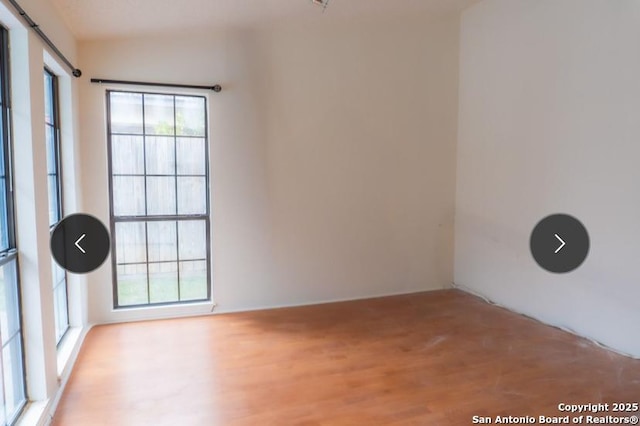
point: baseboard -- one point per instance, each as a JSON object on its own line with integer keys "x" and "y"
{"x": 324, "y": 301}
{"x": 565, "y": 329}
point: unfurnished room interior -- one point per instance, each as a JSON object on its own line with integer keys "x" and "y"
{"x": 319, "y": 212}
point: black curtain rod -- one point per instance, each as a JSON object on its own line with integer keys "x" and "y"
{"x": 75, "y": 71}
{"x": 216, "y": 88}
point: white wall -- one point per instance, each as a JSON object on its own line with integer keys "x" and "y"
{"x": 333, "y": 156}
{"x": 549, "y": 122}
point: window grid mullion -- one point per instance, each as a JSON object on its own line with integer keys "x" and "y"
{"x": 154, "y": 135}
{"x": 158, "y": 218}
{"x": 146, "y": 209}
{"x": 175, "y": 181}
{"x": 154, "y": 175}
{"x": 160, "y": 262}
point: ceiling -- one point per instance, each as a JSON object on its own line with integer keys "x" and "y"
{"x": 97, "y": 19}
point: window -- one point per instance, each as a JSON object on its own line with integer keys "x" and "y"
{"x": 54, "y": 184}
{"x": 159, "y": 198}
{"x": 12, "y": 394}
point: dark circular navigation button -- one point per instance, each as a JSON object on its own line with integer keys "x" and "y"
{"x": 559, "y": 243}
{"x": 80, "y": 243}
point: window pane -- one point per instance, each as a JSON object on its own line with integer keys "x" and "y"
{"x": 160, "y": 174}
{"x": 50, "y": 133}
{"x": 4, "y": 225}
{"x": 54, "y": 205}
{"x": 128, "y": 196}
{"x": 161, "y": 195}
{"x": 158, "y": 114}
{"x": 192, "y": 195}
{"x": 48, "y": 98}
{"x": 190, "y": 116}
{"x": 162, "y": 241}
{"x": 57, "y": 273}
{"x": 2, "y": 168}
{"x": 193, "y": 241}
{"x": 3, "y": 416}
{"x": 127, "y": 155}
{"x": 160, "y": 156}
{"x": 193, "y": 280}
{"x": 163, "y": 282}
{"x": 61, "y": 312}
{"x": 131, "y": 246}
{"x": 9, "y": 315}
{"x": 132, "y": 285}
{"x": 191, "y": 156}
{"x": 126, "y": 112}
{"x": 13, "y": 378}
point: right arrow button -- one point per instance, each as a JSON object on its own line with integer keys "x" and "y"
{"x": 548, "y": 243}
{"x": 562, "y": 243}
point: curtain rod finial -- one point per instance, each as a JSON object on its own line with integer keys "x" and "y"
{"x": 217, "y": 88}
{"x": 76, "y": 72}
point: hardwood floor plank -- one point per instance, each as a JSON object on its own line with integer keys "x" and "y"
{"x": 435, "y": 358}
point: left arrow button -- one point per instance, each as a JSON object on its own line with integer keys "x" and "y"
{"x": 77, "y": 243}
{"x": 80, "y": 243}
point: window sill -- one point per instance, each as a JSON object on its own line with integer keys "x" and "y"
{"x": 67, "y": 347}
{"x": 155, "y": 312}
{"x": 34, "y": 414}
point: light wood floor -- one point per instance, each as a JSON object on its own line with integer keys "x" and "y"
{"x": 434, "y": 358}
